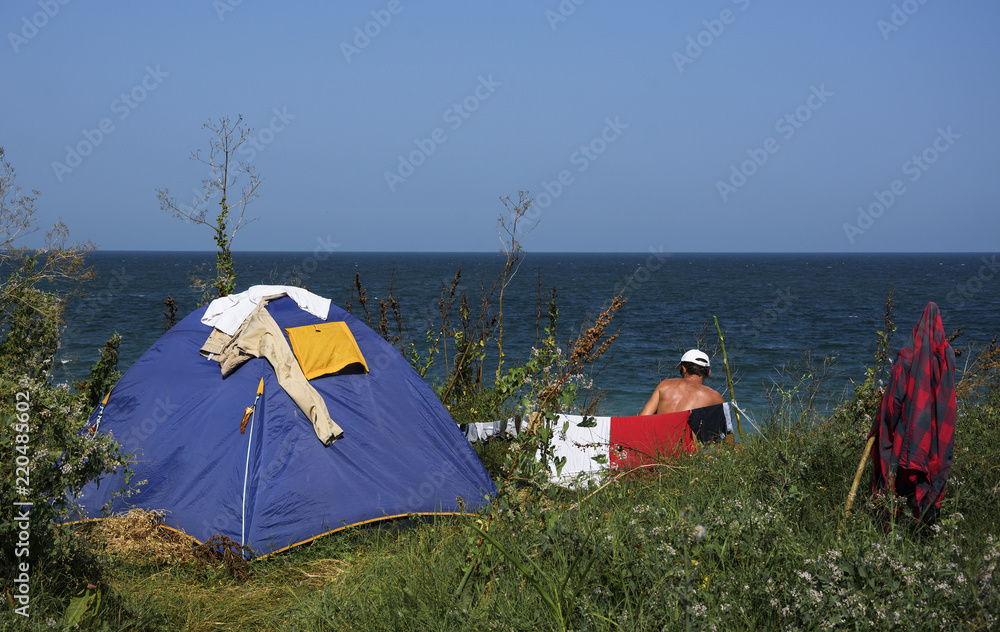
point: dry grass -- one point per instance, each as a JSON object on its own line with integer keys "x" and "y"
{"x": 583, "y": 346}
{"x": 139, "y": 535}
{"x": 203, "y": 601}
{"x": 200, "y": 586}
{"x": 980, "y": 369}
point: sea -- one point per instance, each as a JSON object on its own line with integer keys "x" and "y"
{"x": 792, "y": 322}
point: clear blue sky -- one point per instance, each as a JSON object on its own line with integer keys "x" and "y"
{"x": 695, "y": 126}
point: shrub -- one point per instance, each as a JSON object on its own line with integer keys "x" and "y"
{"x": 45, "y": 456}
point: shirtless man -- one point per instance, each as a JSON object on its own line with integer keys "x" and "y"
{"x": 686, "y": 392}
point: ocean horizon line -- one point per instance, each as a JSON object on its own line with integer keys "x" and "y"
{"x": 549, "y": 252}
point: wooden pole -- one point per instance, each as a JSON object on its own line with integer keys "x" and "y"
{"x": 857, "y": 475}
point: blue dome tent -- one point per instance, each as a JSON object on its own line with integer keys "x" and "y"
{"x": 238, "y": 455}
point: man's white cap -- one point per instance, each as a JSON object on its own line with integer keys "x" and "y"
{"x": 696, "y": 357}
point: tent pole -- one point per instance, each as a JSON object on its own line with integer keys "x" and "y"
{"x": 246, "y": 471}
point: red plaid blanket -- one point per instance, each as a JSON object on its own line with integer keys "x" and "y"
{"x": 915, "y": 426}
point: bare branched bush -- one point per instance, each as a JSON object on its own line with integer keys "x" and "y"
{"x": 225, "y": 140}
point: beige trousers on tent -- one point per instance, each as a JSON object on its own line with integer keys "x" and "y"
{"x": 260, "y": 337}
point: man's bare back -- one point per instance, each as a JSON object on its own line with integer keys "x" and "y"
{"x": 680, "y": 393}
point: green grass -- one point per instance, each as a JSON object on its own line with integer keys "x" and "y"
{"x": 727, "y": 540}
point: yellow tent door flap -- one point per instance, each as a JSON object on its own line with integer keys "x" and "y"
{"x": 325, "y": 348}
